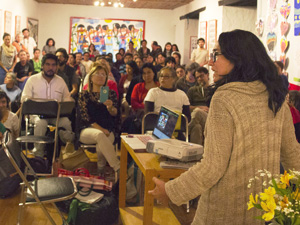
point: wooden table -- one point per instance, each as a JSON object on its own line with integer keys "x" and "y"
{"x": 149, "y": 165}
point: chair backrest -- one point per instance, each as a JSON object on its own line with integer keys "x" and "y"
{"x": 66, "y": 108}
{"x": 47, "y": 108}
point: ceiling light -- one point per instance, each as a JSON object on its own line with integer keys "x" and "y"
{"x": 116, "y": 4}
{"x": 109, "y": 2}
{"x": 122, "y": 5}
{"x": 102, "y": 4}
{"x": 96, "y": 3}
{"x": 134, "y": 0}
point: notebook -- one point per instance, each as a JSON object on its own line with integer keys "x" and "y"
{"x": 163, "y": 129}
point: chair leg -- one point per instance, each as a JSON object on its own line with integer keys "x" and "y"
{"x": 47, "y": 213}
{"x": 21, "y": 204}
{"x": 61, "y": 215}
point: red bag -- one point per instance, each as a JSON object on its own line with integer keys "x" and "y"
{"x": 83, "y": 179}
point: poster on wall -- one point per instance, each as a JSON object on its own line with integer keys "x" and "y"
{"x": 297, "y": 18}
{"x": 108, "y": 35}
{"x": 17, "y": 25}
{"x": 212, "y": 34}
{"x": 193, "y": 44}
{"x": 7, "y": 22}
{"x": 33, "y": 26}
{"x": 203, "y": 31}
{"x": 1, "y": 22}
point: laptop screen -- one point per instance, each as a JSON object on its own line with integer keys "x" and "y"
{"x": 166, "y": 123}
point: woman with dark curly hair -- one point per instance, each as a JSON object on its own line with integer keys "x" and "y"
{"x": 49, "y": 47}
{"x": 249, "y": 128}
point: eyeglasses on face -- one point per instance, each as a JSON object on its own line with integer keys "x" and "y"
{"x": 165, "y": 76}
{"x": 214, "y": 55}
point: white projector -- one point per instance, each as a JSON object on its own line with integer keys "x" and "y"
{"x": 175, "y": 149}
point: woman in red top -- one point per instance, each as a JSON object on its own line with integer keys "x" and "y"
{"x": 140, "y": 90}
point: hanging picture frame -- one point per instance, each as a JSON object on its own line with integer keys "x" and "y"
{"x": 7, "y": 22}
{"x": 33, "y": 26}
{"x": 203, "y": 32}
{"x": 193, "y": 44}
{"x": 17, "y": 25}
{"x": 212, "y": 34}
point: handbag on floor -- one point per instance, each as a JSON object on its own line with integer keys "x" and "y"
{"x": 71, "y": 159}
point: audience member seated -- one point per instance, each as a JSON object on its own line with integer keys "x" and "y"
{"x": 88, "y": 64}
{"x": 67, "y": 72}
{"x": 12, "y": 90}
{"x": 160, "y": 61}
{"x": 119, "y": 61}
{"x": 170, "y": 62}
{"x": 23, "y": 69}
{"x": 139, "y": 62}
{"x": 132, "y": 71}
{"x": 49, "y": 47}
{"x": 141, "y": 89}
{"x": 80, "y": 69}
{"x": 122, "y": 52}
{"x": 180, "y": 72}
{"x": 167, "y": 95}
{"x": 18, "y": 43}
{"x": 175, "y": 48}
{"x": 197, "y": 96}
{"x": 150, "y": 59}
{"x": 177, "y": 57}
{"x": 97, "y": 118}
{"x": 168, "y": 49}
{"x": 8, "y": 57}
{"x": 36, "y": 87}
{"x": 294, "y": 103}
{"x": 131, "y": 49}
{"x": 35, "y": 62}
{"x": 93, "y": 52}
{"x": 188, "y": 80}
{"x": 143, "y": 51}
{"x": 155, "y": 49}
{"x": 127, "y": 58}
{"x": 9, "y": 119}
{"x": 71, "y": 60}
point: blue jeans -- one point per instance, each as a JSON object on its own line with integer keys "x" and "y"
{"x": 2, "y": 74}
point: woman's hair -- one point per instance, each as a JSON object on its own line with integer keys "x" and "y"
{"x": 50, "y": 39}
{"x": 176, "y": 47}
{"x": 96, "y": 67}
{"x": 251, "y": 63}
{"x": 294, "y": 99}
{"x": 192, "y": 68}
{"x": 5, "y": 35}
{"x": 178, "y": 54}
{"x": 135, "y": 68}
{"x": 165, "y": 50}
{"x": 4, "y": 95}
{"x": 172, "y": 71}
{"x": 150, "y": 66}
{"x": 91, "y": 46}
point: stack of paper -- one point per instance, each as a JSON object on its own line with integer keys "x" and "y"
{"x": 91, "y": 198}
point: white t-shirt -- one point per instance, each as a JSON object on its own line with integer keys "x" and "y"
{"x": 30, "y": 44}
{"x": 173, "y": 100}
{"x": 12, "y": 123}
{"x": 88, "y": 65}
{"x": 199, "y": 55}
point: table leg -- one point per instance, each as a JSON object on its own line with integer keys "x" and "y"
{"x": 148, "y": 199}
{"x": 123, "y": 176}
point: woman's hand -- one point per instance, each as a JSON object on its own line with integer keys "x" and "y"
{"x": 10, "y": 70}
{"x": 159, "y": 192}
{"x": 111, "y": 109}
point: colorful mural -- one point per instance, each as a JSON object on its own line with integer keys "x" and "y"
{"x": 108, "y": 35}
{"x": 297, "y": 18}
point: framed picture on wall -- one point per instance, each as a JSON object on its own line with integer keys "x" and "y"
{"x": 17, "y": 25}
{"x": 212, "y": 34}
{"x": 1, "y": 23}
{"x": 193, "y": 44}
{"x": 7, "y": 22}
{"x": 33, "y": 26}
{"x": 203, "y": 31}
{"x": 108, "y": 35}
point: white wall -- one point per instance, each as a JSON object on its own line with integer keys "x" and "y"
{"x": 244, "y": 18}
{"x": 28, "y": 8}
{"x": 55, "y": 21}
{"x": 293, "y": 53}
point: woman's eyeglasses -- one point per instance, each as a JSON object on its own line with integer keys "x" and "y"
{"x": 214, "y": 56}
{"x": 165, "y": 77}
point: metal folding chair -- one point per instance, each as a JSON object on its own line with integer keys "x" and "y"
{"x": 38, "y": 191}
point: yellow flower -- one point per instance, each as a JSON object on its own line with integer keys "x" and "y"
{"x": 269, "y": 207}
{"x": 296, "y": 195}
{"x": 268, "y": 194}
{"x": 284, "y": 203}
{"x": 251, "y": 201}
{"x": 285, "y": 179}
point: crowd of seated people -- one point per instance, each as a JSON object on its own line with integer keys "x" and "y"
{"x": 139, "y": 81}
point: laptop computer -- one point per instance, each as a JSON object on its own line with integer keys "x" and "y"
{"x": 163, "y": 129}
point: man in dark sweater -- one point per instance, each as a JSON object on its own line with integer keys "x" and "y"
{"x": 23, "y": 69}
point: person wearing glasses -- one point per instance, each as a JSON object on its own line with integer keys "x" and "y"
{"x": 167, "y": 94}
{"x": 97, "y": 118}
{"x": 249, "y": 128}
